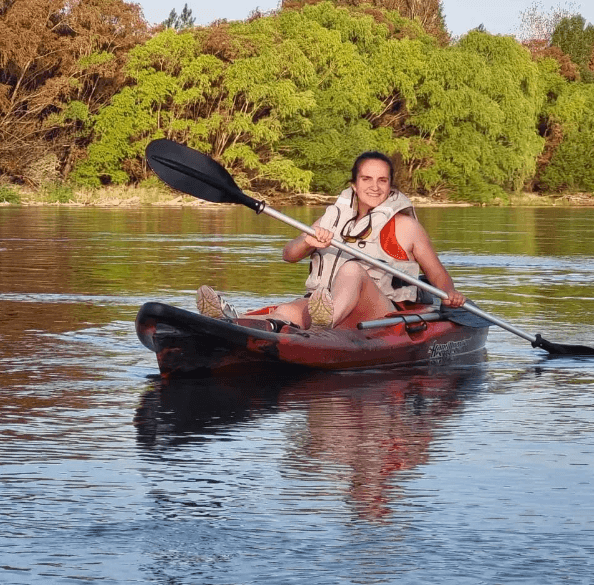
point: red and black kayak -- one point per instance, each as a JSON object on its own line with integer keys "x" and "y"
{"x": 189, "y": 344}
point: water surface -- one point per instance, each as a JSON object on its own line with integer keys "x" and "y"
{"x": 475, "y": 473}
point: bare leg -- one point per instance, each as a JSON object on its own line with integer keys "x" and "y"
{"x": 295, "y": 312}
{"x": 356, "y": 297}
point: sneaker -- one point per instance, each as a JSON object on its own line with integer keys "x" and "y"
{"x": 321, "y": 307}
{"x": 209, "y": 303}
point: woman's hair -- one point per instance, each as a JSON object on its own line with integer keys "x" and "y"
{"x": 371, "y": 155}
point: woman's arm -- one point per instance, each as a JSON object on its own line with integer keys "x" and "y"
{"x": 303, "y": 245}
{"x": 415, "y": 240}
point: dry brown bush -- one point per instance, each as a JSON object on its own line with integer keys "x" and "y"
{"x": 541, "y": 49}
{"x": 43, "y": 47}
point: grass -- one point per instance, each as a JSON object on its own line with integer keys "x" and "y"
{"x": 56, "y": 193}
{"x": 9, "y": 195}
{"x": 153, "y": 192}
{"x": 62, "y": 194}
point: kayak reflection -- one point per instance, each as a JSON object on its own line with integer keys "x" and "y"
{"x": 173, "y": 412}
{"x": 367, "y": 431}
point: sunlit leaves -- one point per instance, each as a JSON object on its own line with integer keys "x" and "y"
{"x": 357, "y": 72}
{"x": 236, "y": 110}
{"x": 571, "y": 165}
{"x": 287, "y": 101}
{"x": 479, "y": 102}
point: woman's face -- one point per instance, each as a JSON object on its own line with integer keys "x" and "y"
{"x": 372, "y": 186}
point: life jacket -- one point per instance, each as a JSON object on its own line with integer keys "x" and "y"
{"x": 376, "y": 239}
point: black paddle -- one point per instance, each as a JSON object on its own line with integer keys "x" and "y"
{"x": 196, "y": 174}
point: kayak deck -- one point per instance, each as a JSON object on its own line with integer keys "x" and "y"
{"x": 190, "y": 344}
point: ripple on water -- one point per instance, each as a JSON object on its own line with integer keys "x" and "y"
{"x": 476, "y": 473}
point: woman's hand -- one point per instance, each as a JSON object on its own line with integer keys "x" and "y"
{"x": 304, "y": 245}
{"x": 322, "y": 239}
{"x": 454, "y": 300}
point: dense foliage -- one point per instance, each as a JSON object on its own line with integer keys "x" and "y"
{"x": 61, "y": 61}
{"x": 287, "y": 100}
{"x": 576, "y": 40}
{"x": 571, "y": 167}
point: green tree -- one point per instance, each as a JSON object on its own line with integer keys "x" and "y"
{"x": 476, "y": 110}
{"x": 570, "y": 166}
{"x": 461, "y": 119}
{"x": 180, "y": 22}
{"x": 349, "y": 51}
{"x": 576, "y": 39}
{"x": 237, "y": 110}
{"x": 552, "y": 77}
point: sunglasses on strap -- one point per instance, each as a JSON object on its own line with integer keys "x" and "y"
{"x": 362, "y": 235}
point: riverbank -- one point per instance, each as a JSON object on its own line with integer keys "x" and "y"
{"x": 163, "y": 197}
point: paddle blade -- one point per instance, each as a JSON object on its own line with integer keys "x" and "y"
{"x": 196, "y": 174}
{"x": 463, "y": 317}
{"x": 561, "y": 348}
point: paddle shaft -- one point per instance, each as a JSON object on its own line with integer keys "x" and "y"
{"x": 402, "y": 275}
{"x": 406, "y": 319}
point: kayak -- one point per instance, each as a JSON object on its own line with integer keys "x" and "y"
{"x": 188, "y": 344}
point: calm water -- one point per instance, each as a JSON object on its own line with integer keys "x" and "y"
{"x": 476, "y": 473}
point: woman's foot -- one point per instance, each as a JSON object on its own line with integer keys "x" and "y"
{"x": 209, "y": 303}
{"x": 321, "y": 307}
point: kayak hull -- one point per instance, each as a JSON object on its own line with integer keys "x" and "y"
{"x": 189, "y": 344}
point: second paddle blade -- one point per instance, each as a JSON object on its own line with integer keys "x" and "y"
{"x": 562, "y": 348}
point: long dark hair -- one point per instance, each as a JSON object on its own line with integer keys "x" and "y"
{"x": 371, "y": 155}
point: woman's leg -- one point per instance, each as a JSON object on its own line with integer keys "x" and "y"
{"x": 356, "y": 297}
{"x": 295, "y": 312}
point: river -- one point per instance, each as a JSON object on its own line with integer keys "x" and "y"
{"x": 478, "y": 473}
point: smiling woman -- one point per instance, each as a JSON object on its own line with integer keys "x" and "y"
{"x": 371, "y": 215}
{"x": 342, "y": 291}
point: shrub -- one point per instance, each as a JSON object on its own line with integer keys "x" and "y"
{"x": 571, "y": 165}
{"x": 9, "y": 195}
{"x": 57, "y": 193}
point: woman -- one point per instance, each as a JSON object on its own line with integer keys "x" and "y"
{"x": 376, "y": 218}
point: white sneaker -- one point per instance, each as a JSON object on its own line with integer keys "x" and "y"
{"x": 209, "y": 303}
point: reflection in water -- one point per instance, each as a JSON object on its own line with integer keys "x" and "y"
{"x": 179, "y": 411}
{"x": 479, "y": 474}
{"x": 366, "y": 431}
{"x": 378, "y": 428}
